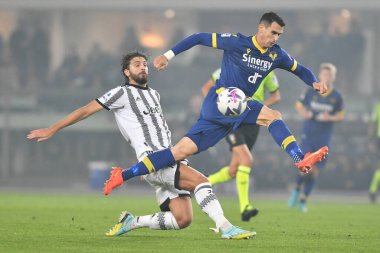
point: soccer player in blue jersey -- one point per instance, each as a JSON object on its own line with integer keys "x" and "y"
{"x": 320, "y": 112}
{"x": 246, "y": 62}
{"x": 241, "y": 143}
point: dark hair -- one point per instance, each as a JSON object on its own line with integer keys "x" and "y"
{"x": 126, "y": 61}
{"x": 270, "y": 17}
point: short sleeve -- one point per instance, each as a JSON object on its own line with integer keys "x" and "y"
{"x": 112, "y": 99}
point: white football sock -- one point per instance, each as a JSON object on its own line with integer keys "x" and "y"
{"x": 161, "y": 221}
{"x": 209, "y": 204}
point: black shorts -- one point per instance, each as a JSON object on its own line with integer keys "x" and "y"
{"x": 245, "y": 134}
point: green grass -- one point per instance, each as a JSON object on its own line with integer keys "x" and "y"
{"x": 64, "y": 223}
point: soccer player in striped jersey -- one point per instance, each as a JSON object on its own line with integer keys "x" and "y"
{"x": 247, "y": 60}
{"x": 320, "y": 113}
{"x": 241, "y": 143}
{"x": 138, "y": 114}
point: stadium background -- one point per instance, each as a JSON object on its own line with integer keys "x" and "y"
{"x": 56, "y": 56}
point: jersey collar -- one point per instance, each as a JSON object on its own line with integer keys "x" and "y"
{"x": 137, "y": 86}
{"x": 256, "y": 44}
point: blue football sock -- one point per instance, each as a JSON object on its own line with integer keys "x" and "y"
{"x": 309, "y": 184}
{"x": 285, "y": 139}
{"x": 152, "y": 163}
{"x": 299, "y": 180}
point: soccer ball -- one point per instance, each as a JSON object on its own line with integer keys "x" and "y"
{"x": 232, "y": 102}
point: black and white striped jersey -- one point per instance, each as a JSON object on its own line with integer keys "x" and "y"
{"x": 139, "y": 117}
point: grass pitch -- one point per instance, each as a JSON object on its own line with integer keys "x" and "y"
{"x": 65, "y": 223}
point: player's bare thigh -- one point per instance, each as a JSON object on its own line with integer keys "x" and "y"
{"x": 267, "y": 116}
{"x": 184, "y": 148}
{"x": 182, "y": 210}
{"x": 190, "y": 178}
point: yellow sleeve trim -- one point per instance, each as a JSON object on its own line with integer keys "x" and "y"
{"x": 287, "y": 141}
{"x": 214, "y": 43}
{"x": 295, "y": 64}
{"x": 148, "y": 164}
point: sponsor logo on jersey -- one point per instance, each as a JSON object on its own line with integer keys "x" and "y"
{"x": 152, "y": 110}
{"x": 273, "y": 56}
{"x": 257, "y": 63}
{"x": 321, "y": 107}
{"x": 253, "y": 79}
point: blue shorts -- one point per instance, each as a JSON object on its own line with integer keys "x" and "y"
{"x": 212, "y": 126}
{"x": 313, "y": 142}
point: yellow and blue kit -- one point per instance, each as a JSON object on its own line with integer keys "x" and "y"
{"x": 316, "y": 134}
{"x": 245, "y": 64}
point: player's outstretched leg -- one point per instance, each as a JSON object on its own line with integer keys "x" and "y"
{"x": 128, "y": 222}
{"x": 151, "y": 163}
{"x": 282, "y": 135}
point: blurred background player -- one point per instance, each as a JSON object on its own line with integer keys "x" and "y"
{"x": 241, "y": 143}
{"x": 319, "y": 112}
{"x": 374, "y": 132}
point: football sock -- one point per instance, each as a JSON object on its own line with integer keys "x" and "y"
{"x": 299, "y": 180}
{"x": 242, "y": 185}
{"x": 284, "y": 138}
{"x": 220, "y": 177}
{"x": 153, "y": 162}
{"x": 161, "y": 221}
{"x": 375, "y": 182}
{"x": 309, "y": 184}
{"x": 210, "y": 205}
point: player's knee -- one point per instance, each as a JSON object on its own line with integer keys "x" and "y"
{"x": 246, "y": 160}
{"x": 199, "y": 179}
{"x": 276, "y": 115}
{"x": 184, "y": 220}
{"x": 181, "y": 152}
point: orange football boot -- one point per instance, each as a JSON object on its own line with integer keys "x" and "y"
{"x": 311, "y": 158}
{"x": 114, "y": 181}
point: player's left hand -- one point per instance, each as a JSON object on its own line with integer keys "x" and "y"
{"x": 320, "y": 87}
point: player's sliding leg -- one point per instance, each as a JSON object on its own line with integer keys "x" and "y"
{"x": 194, "y": 181}
{"x": 151, "y": 163}
{"x": 375, "y": 183}
{"x": 293, "y": 200}
{"x": 285, "y": 139}
{"x": 179, "y": 217}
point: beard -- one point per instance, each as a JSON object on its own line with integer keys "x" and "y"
{"x": 141, "y": 78}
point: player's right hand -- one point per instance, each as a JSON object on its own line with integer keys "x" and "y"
{"x": 41, "y": 134}
{"x": 160, "y": 62}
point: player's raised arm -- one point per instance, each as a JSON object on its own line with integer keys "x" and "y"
{"x": 215, "y": 40}
{"x": 75, "y": 116}
{"x": 305, "y": 74}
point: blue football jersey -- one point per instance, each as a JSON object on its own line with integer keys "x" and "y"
{"x": 245, "y": 64}
{"x": 331, "y": 102}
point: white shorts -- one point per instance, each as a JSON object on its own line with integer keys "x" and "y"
{"x": 165, "y": 182}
